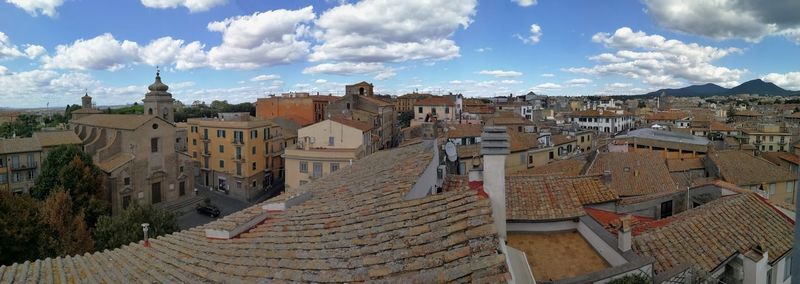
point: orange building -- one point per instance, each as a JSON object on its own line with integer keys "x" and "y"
{"x": 302, "y": 108}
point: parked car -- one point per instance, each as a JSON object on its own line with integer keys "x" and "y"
{"x": 208, "y": 209}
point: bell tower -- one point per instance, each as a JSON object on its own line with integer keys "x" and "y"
{"x": 158, "y": 101}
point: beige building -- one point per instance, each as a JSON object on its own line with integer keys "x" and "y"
{"x": 755, "y": 173}
{"x": 137, "y": 152}
{"x": 325, "y": 147}
{"x": 236, "y": 152}
{"x": 441, "y": 108}
{"x": 767, "y": 138}
{"x": 22, "y": 158}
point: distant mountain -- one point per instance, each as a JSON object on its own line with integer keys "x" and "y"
{"x": 756, "y": 86}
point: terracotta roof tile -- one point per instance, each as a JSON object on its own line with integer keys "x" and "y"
{"x": 540, "y": 198}
{"x": 776, "y": 157}
{"x": 55, "y": 138}
{"x": 464, "y": 130}
{"x": 360, "y": 125}
{"x": 355, "y": 227}
{"x": 118, "y": 121}
{"x": 684, "y": 164}
{"x": 562, "y": 167}
{"x": 559, "y": 139}
{"x": 742, "y": 168}
{"x": 635, "y": 173}
{"x": 707, "y": 235}
{"x": 435, "y": 101}
{"x": 19, "y": 145}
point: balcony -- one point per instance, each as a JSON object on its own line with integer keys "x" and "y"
{"x": 17, "y": 167}
{"x": 205, "y": 139}
{"x": 237, "y": 141}
{"x": 239, "y": 159}
{"x": 206, "y": 153}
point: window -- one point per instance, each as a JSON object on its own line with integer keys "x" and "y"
{"x": 222, "y": 148}
{"x": 254, "y": 166}
{"x": 31, "y": 174}
{"x": 317, "y": 170}
{"x": 2, "y": 162}
{"x": 334, "y": 167}
{"x": 551, "y": 155}
{"x": 126, "y": 201}
{"x": 194, "y": 154}
{"x": 205, "y": 133}
{"x": 420, "y": 110}
{"x": 180, "y": 168}
{"x": 348, "y": 106}
{"x": 222, "y": 163}
{"x": 194, "y": 142}
{"x": 446, "y": 109}
{"x": 16, "y": 178}
{"x": 153, "y": 145}
{"x": 253, "y": 134}
{"x": 239, "y": 169}
{"x": 522, "y": 158}
{"x": 238, "y": 184}
{"x": 789, "y": 186}
{"x": 266, "y": 133}
{"x": 304, "y": 167}
{"x": 3, "y": 178}
{"x": 221, "y": 133}
{"x": 433, "y": 110}
{"x": 530, "y": 159}
{"x": 771, "y": 188}
{"x": 787, "y": 268}
{"x": 155, "y": 192}
{"x": 182, "y": 188}
{"x": 253, "y": 150}
{"x": 330, "y": 141}
{"x": 205, "y": 162}
{"x": 238, "y": 154}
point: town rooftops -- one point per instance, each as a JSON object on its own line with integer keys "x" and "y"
{"x": 749, "y": 113}
{"x": 414, "y": 96}
{"x": 19, "y": 145}
{"x": 562, "y": 167}
{"x": 559, "y": 139}
{"x": 719, "y": 126}
{"x": 117, "y": 121}
{"x": 464, "y": 130}
{"x": 742, "y": 168}
{"x": 684, "y": 164}
{"x": 435, "y": 101}
{"x": 705, "y": 236}
{"x": 634, "y": 173}
{"x": 548, "y": 198}
{"x": 666, "y": 115}
{"x": 354, "y": 225}
{"x": 597, "y": 113}
{"x": 777, "y": 157}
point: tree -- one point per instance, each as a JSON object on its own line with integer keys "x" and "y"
{"x": 405, "y": 118}
{"x": 22, "y": 232}
{"x": 113, "y": 232}
{"x": 632, "y": 279}
{"x": 70, "y": 169}
{"x": 70, "y": 108}
{"x": 68, "y": 232}
{"x": 23, "y": 126}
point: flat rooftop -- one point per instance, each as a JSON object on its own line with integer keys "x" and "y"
{"x": 649, "y": 133}
{"x": 557, "y": 256}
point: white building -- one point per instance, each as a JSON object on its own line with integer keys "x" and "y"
{"x": 609, "y": 121}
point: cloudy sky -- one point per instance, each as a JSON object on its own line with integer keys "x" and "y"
{"x": 238, "y": 50}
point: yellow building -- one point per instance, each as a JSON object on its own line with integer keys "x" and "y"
{"x": 767, "y": 138}
{"x": 325, "y": 147}
{"x": 21, "y": 158}
{"x": 237, "y": 153}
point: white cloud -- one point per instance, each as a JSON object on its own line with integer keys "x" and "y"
{"x": 500, "y": 73}
{"x": 345, "y": 68}
{"x": 385, "y": 74}
{"x": 789, "y": 80}
{"x": 101, "y": 52}
{"x": 484, "y": 49}
{"x": 548, "y": 86}
{"x": 619, "y": 85}
{"x": 525, "y": 3}
{"x": 548, "y": 75}
{"x": 320, "y": 81}
{"x": 162, "y": 51}
{"x": 750, "y": 20}
{"x": 416, "y": 30}
{"x": 34, "y": 51}
{"x": 660, "y": 62}
{"x": 261, "y": 39}
{"x": 191, "y": 56}
{"x": 533, "y": 37}
{"x": 3, "y": 70}
{"x": 578, "y": 82}
{"x": 511, "y": 82}
{"x": 455, "y": 82}
{"x": 192, "y": 5}
{"x": 265, "y": 78}
{"x": 35, "y": 7}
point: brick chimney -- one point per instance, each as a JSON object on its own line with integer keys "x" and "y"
{"x": 624, "y": 236}
{"x": 495, "y": 148}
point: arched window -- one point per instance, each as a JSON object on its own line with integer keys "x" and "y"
{"x": 150, "y": 111}
{"x": 361, "y": 91}
{"x": 348, "y": 106}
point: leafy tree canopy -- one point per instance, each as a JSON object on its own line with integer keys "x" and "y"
{"x": 125, "y": 228}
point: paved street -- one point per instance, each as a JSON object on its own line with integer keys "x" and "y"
{"x": 225, "y": 203}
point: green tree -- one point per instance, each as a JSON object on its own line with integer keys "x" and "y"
{"x": 405, "y": 118}
{"x": 632, "y": 279}
{"x": 70, "y": 108}
{"x": 69, "y": 168}
{"x": 22, "y": 232}
{"x": 23, "y": 126}
{"x": 113, "y": 232}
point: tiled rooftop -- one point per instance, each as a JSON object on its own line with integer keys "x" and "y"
{"x": 556, "y": 256}
{"x": 684, "y": 164}
{"x": 707, "y": 235}
{"x": 540, "y": 198}
{"x": 355, "y": 227}
{"x": 562, "y": 167}
{"x": 635, "y": 173}
{"x": 742, "y": 168}
{"x": 118, "y": 121}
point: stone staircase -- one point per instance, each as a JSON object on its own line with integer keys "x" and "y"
{"x": 183, "y": 205}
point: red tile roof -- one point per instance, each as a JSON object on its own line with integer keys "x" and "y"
{"x": 635, "y": 173}
{"x": 360, "y": 125}
{"x": 435, "y": 101}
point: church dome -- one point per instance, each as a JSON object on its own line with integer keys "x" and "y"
{"x": 157, "y": 86}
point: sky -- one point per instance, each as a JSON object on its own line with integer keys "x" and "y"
{"x": 53, "y": 51}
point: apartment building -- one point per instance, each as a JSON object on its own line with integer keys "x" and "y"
{"x": 767, "y": 138}
{"x": 325, "y": 147}
{"x": 606, "y": 121}
{"x": 441, "y": 108}
{"x": 359, "y": 104}
{"x": 237, "y": 153}
{"x": 21, "y": 158}
{"x": 302, "y": 108}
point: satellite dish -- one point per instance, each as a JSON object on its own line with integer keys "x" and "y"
{"x": 450, "y": 150}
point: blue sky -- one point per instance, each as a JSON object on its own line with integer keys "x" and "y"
{"x": 239, "y": 50}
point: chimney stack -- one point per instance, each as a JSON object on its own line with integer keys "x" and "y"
{"x": 495, "y": 148}
{"x": 607, "y": 177}
{"x": 624, "y": 236}
{"x": 145, "y": 227}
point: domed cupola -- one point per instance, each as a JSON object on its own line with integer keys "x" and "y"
{"x": 158, "y": 101}
{"x": 158, "y": 87}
